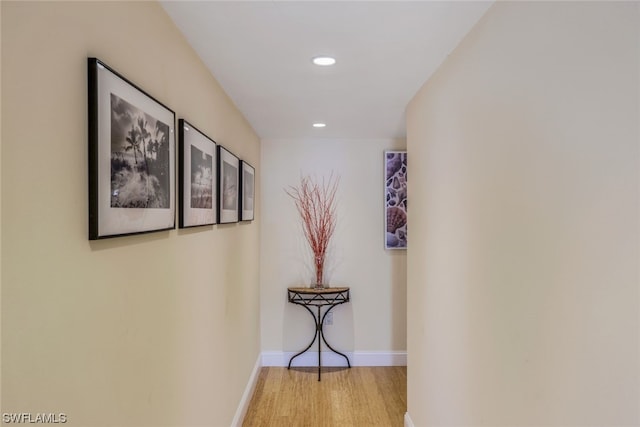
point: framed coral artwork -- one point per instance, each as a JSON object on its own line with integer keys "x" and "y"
{"x": 395, "y": 205}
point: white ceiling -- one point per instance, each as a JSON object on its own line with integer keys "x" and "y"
{"x": 260, "y": 52}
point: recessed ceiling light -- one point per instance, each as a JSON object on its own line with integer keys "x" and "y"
{"x": 324, "y": 60}
{"x": 319, "y": 125}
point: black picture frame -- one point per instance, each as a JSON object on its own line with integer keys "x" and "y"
{"x": 395, "y": 196}
{"x": 228, "y": 186}
{"x": 247, "y": 191}
{"x": 131, "y": 157}
{"x": 197, "y": 182}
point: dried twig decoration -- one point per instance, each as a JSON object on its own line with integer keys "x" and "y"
{"x": 316, "y": 205}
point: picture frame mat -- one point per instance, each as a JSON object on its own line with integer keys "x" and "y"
{"x": 226, "y": 216}
{"x": 119, "y": 221}
{"x": 247, "y": 214}
{"x": 192, "y": 136}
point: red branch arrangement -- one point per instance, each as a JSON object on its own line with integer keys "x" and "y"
{"x": 316, "y": 205}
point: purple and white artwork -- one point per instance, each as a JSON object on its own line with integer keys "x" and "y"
{"x": 395, "y": 204}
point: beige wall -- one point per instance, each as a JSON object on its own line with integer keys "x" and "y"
{"x": 150, "y": 330}
{"x": 523, "y": 263}
{"x": 376, "y": 318}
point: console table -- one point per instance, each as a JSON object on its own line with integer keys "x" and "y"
{"x": 313, "y": 297}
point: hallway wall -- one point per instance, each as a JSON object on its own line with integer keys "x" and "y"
{"x": 523, "y": 267}
{"x": 149, "y": 330}
{"x": 375, "y": 320}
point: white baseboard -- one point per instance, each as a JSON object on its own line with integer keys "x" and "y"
{"x": 243, "y": 406}
{"x": 329, "y": 358}
{"x": 407, "y": 420}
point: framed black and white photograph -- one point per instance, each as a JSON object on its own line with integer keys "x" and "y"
{"x": 131, "y": 157}
{"x": 197, "y": 155}
{"x": 228, "y": 186}
{"x": 247, "y": 195}
{"x": 395, "y": 205}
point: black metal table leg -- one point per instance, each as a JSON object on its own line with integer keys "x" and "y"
{"x": 325, "y": 340}
{"x": 312, "y": 341}
{"x": 319, "y": 332}
{"x": 330, "y": 297}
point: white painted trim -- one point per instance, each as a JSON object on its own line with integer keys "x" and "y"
{"x": 329, "y": 358}
{"x": 380, "y": 358}
{"x": 243, "y": 406}
{"x": 407, "y": 420}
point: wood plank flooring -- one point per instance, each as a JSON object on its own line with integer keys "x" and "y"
{"x": 360, "y": 396}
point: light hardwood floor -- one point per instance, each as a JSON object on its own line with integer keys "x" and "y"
{"x": 360, "y": 396}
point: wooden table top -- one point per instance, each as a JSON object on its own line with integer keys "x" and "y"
{"x": 307, "y": 290}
